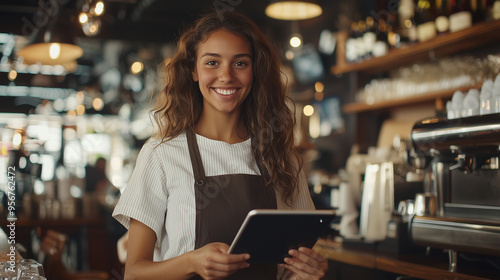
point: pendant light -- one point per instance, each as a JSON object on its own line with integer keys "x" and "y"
{"x": 52, "y": 44}
{"x": 293, "y": 10}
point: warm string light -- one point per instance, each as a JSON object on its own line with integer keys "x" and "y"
{"x": 89, "y": 17}
{"x": 97, "y": 104}
{"x": 83, "y": 18}
{"x": 319, "y": 88}
{"x": 308, "y": 110}
{"x": 99, "y": 8}
{"x": 136, "y": 67}
{"x": 12, "y": 75}
{"x": 295, "y": 41}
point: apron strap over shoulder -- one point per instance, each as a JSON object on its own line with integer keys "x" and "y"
{"x": 194, "y": 153}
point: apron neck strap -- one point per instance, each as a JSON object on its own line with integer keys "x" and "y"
{"x": 194, "y": 153}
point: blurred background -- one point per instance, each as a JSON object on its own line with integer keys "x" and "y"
{"x": 78, "y": 79}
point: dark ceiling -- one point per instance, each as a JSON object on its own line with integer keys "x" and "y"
{"x": 150, "y": 24}
{"x": 148, "y": 20}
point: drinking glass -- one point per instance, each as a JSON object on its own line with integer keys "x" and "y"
{"x": 29, "y": 267}
{"x": 6, "y": 272}
{"x": 32, "y": 277}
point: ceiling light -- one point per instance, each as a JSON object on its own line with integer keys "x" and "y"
{"x": 98, "y": 104}
{"x": 12, "y": 75}
{"x": 136, "y": 67}
{"x": 99, "y": 8}
{"x": 83, "y": 18}
{"x": 54, "y": 50}
{"x": 308, "y": 110}
{"x": 319, "y": 87}
{"x": 92, "y": 27}
{"x": 53, "y": 44}
{"x": 295, "y": 41}
{"x": 293, "y": 10}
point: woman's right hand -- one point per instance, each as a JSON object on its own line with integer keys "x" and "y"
{"x": 213, "y": 262}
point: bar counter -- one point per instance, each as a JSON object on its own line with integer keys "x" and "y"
{"x": 94, "y": 246}
{"x": 433, "y": 267}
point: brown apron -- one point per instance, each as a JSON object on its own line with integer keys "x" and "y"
{"x": 222, "y": 203}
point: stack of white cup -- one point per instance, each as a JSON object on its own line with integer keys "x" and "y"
{"x": 495, "y": 96}
{"x": 475, "y": 102}
{"x": 485, "y": 97}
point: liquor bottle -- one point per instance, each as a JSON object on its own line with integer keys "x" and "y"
{"x": 408, "y": 28}
{"x": 479, "y": 12}
{"x": 424, "y": 19}
{"x": 495, "y": 10}
{"x": 461, "y": 16}
{"x": 362, "y": 43}
{"x": 370, "y": 36}
{"x": 442, "y": 12}
{"x": 351, "y": 48}
{"x": 489, "y": 9}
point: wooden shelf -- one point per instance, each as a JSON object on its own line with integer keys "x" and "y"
{"x": 359, "y": 107}
{"x": 418, "y": 266}
{"x": 468, "y": 39}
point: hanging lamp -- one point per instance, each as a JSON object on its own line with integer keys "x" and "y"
{"x": 293, "y": 10}
{"x": 52, "y": 44}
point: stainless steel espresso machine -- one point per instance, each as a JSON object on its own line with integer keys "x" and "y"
{"x": 464, "y": 178}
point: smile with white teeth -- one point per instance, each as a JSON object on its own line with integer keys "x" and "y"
{"x": 225, "y": 91}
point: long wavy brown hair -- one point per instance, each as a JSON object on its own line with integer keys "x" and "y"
{"x": 268, "y": 119}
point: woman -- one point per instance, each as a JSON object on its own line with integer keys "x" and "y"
{"x": 224, "y": 146}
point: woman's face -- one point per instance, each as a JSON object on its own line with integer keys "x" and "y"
{"x": 224, "y": 71}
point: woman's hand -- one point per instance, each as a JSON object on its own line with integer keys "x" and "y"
{"x": 306, "y": 264}
{"x": 213, "y": 262}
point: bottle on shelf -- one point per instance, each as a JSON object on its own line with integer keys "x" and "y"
{"x": 494, "y": 9}
{"x": 370, "y": 36}
{"x": 424, "y": 18}
{"x": 479, "y": 12}
{"x": 351, "y": 48}
{"x": 381, "y": 46}
{"x": 407, "y": 25}
{"x": 461, "y": 16}
{"x": 362, "y": 43}
{"x": 442, "y": 21}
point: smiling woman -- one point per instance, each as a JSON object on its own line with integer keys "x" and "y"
{"x": 224, "y": 74}
{"x": 224, "y": 147}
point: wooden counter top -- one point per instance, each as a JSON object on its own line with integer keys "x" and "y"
{"x": 419, "y": 266}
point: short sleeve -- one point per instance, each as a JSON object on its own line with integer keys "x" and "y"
{"x": 145, "y": 197}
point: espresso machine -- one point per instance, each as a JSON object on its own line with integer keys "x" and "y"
{"x": 464, "y": 178}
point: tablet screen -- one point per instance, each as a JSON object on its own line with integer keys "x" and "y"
{"x": 268, "y": 235}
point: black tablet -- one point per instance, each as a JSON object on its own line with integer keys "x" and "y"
{"x": 268, "y": 235}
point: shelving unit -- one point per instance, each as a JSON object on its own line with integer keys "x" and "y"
{"x": 467, "y": 39}
{"x": 477, "y": 36}
{"x": 429, "y": 97}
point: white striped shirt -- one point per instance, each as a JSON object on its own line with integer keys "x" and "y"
{"x": 160, "y": 192}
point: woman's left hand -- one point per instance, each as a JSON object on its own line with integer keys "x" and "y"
{"x": 306, "y": 264}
